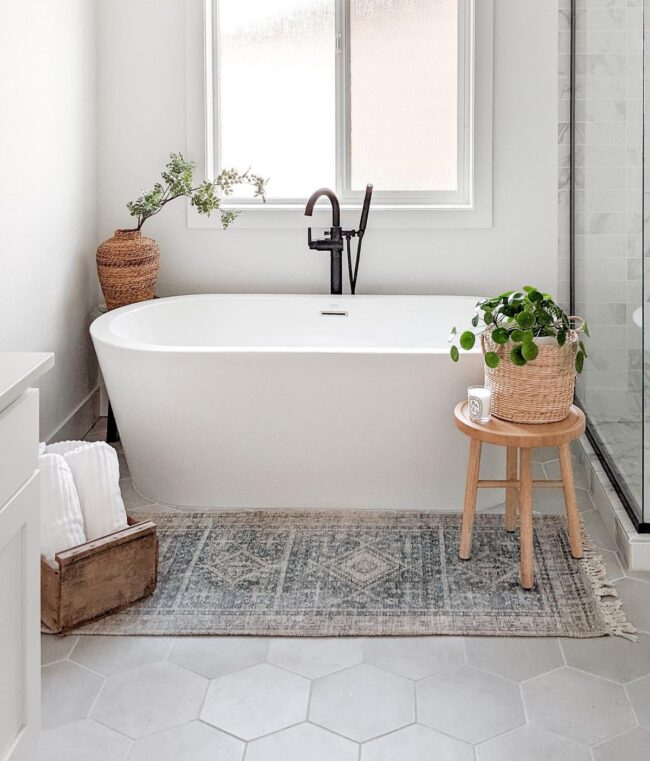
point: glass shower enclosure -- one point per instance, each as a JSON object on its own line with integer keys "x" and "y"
{"x": 608, "y": 235}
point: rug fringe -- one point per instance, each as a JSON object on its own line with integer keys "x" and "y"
{"x": 609, "y": 603}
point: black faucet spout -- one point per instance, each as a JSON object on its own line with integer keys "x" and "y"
{"x": 334, "y": 242}
{"x": 331, "y": 195}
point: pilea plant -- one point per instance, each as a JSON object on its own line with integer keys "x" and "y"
{"x": 206, "y": 197}
{"x": 520, "y": 318}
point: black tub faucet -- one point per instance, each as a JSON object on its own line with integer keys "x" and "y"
{"x": 333, "y": 242}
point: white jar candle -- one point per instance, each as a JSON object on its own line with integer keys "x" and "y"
{"x": 479, "y": 404}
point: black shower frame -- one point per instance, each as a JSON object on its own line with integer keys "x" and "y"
{"x": 596, "y": 442}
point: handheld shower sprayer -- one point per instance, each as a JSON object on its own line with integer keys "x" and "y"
{"x": 353, "y": 273}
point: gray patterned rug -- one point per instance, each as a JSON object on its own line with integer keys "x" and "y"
{"x": 325, "y": 574}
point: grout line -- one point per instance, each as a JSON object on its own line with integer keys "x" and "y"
{"x": 225, "y": 732}
{"x": 100, "y": 692}
{"x": 113, "y": 729}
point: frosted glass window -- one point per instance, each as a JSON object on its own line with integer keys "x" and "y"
{"x": 404, "y": 94}
{"x": 341, "y": 93}
{"x": 276, "y": 91}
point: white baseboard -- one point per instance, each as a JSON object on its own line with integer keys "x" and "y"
{"x": 80, "y": 420}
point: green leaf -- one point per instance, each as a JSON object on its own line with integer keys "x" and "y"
{"x": 525, "y": 320}
{"x": 582, "y": 348}
{"x": 467, "y": 340}
{"x": 529, "y": 288}
{"x": 454, "y": 330}
{"x": 580, "y": 361}
{"x": 529, "y": 351}
{"x": 492, "y": 359}
{"x": 454, "y": 353}
{"x": 517, "y": 335}
{"x": 475, "y": 321}
{"x": 500, "y": 336}
{"x": 561, "y": 337}
{"x": 517, "y": 296}
{"x": 487, "y": 317}
{"x": 535, "y": 296}
{"x": 516, "y": 357}
{"x": 585, "y": 329}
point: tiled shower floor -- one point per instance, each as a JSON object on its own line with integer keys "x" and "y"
{"x": 383, "y": 699}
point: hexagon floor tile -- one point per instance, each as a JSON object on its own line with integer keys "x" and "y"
{"x": 611, "y": 657}
{"x": 362, "y": 702}
{"x": 545, "y": 454}
{"x": 195, "y": 741}
{"x": 597, "y": 530}
{"x": 469, "y": 704}
{"x": 579, "y": 706}
{"x": 150, "y": 699}
{"x": 112, "y": 655}
{"x": 68, "y": 693}
{"x": 632, "y": 746}
{"x": 532, "y": 743}
{"x": 416, "y": 743}
{"x": 256, "y": 701}
{"x": 551, "y": 501}
{"x": 553, "y": 473}
{"x": 515, "y": 658}
{"x": 216, "y": 656}
{"x": 84, "y": 740}
{"x": 56, "y": 648}
{"x": 636, "y": 596}
{"x": 130, "y": 496}
{"x": 314, "y": 658}
{"x": 415, "y": 657}
{"x": 302, "y": 742}
{"x": 639, "y": 693}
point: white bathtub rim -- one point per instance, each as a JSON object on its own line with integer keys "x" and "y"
{"x": 101, "y": 329}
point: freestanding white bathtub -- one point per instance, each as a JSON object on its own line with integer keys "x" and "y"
{"x": 236, "y": 401}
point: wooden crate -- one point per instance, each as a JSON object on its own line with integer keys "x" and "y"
{"x": 99, "y": 577}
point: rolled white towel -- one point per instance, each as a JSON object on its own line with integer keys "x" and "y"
{"x": 96, "y": 472}
{"x": 62, "y": 447}
{"x": 62, "y": 524}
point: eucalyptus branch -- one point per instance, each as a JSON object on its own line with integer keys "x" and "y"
{"x": 177, "y": 182}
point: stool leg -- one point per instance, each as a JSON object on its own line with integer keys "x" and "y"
{"x": 572, "y": 517}
{"x": 471, "y": 487}
{"x": 512, "y": 493}
{"x": 527, "y": 574}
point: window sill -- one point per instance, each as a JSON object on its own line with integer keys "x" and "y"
{"x": 288, "y": 217}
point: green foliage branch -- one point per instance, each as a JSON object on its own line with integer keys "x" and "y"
{"x": 206, "y": 197}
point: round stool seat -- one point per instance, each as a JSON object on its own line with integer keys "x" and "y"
{"x": 522, "y": 435}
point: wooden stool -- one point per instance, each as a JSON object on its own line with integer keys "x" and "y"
{"x": 519, "y": 488}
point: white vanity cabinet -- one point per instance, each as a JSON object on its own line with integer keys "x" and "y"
{"x": 19, "y": 555}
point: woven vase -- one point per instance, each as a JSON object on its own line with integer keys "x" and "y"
{"x": 539, "y": 392}
{"x": 127, "y": 266}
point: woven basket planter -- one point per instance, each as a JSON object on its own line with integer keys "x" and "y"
{"x": 539, "y": 392}
{"x": 127, "y": 266}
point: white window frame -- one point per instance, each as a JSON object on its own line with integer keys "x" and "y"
{"x": 469, "y": 206}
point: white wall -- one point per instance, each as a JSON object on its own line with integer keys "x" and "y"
{"x": 142, "y": 119}
{"x": 48, "y": 211}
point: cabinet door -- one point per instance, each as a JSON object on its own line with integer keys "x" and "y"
{"x": 20, "y": 675}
